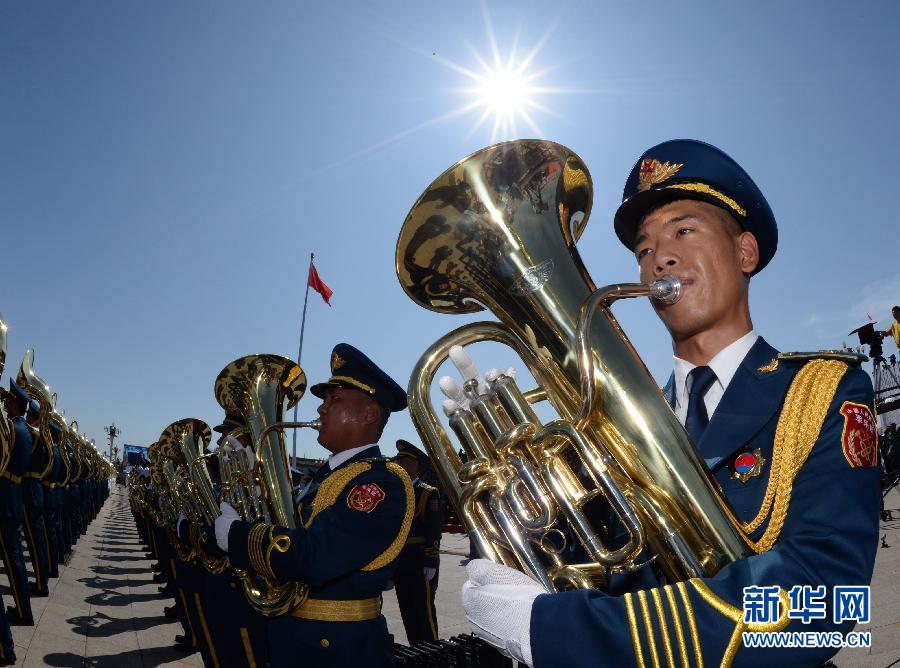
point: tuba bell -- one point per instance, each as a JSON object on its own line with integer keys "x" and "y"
{"x": 498, "y": 231}
{"x": 261, "y": 388}
{"x": 40, "y": 391}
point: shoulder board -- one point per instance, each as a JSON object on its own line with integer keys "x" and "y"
{"x": 374, "y": 460}
{"x": 853, "y": 359}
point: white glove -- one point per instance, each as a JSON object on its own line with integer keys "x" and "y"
{"x": 223, "y": 524}
{"x": 429, "y": 573}
{"x": 497, "y": 600}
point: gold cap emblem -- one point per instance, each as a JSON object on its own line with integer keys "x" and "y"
{"x": 653, "y": 171}
{"x": 336, "y": 361}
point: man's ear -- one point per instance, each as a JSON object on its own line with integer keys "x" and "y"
{"x": 372, "y": 414}
{"x": 748, "y": 249}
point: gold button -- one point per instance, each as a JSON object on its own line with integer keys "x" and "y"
{"x": 324, "y": 642}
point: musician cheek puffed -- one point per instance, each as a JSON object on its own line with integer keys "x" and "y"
{"x": 788, "y": 439}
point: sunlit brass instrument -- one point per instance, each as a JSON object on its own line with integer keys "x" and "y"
{"x": 40, "y": 391}
{"x": 498, "y": 231}
{"x": 5, "y": 424}
{"x": 187, "y": 440}
{"x": 261, "y": 388}
{"x": 239, "y": 484}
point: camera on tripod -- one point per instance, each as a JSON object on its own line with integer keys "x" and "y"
{"x": 868, "y": 336}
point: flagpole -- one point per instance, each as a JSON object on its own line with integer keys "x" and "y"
{"x": 300, "y": 348}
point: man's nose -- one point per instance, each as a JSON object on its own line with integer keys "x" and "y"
{"x": 665, "y": 259}
{"x": 321, "y": 410}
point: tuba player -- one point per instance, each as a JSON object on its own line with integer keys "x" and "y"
{"x": 353, "y": 519}
{"x": 789, "y": 439}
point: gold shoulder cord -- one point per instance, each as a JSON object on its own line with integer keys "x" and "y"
{"x": 332, "y": 486}
{"x": 804, "y": 411}
{"x": 394, "y": 548}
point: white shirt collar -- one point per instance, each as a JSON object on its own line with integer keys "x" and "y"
{"x": 725, "y": 364}
{"x": 336, "y": 460}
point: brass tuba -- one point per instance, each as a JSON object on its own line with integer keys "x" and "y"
{"x": 261, "y": 388}
{"x": 498, "y": 231}
{"x": 40, "y": 391}
{"x": 184, "y": 441}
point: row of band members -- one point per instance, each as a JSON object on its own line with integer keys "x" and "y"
{"x": 49, "y": 510}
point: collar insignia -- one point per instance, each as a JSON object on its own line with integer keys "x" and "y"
{"x": 653, "y": 172}
{"x": 336, "y": 361}
{"x": 770, "y": 367}
{"x": 747, "y": 465}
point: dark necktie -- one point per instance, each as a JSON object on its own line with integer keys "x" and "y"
{"x": 695, "y": 422}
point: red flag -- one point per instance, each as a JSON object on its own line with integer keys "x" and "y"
{"x": 318, "y": 285}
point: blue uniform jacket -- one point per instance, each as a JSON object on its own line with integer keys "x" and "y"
{"x": 829, "y": 538}
{"x": 11, "y": 481}
{"x": 32, "y": 489}
{"x": 351, "y": 527}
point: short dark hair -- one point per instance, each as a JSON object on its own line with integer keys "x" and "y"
{"x": 896, "y": 308}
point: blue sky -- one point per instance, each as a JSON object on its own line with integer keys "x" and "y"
{"x": 166, "y": 169}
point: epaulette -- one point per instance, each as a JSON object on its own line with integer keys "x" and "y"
{"x": 850, "y": 358}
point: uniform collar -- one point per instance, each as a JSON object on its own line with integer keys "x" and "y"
{"x": 724, "y": 364}
{"x": 340, "y": 458}
{"x": 753, "y": 398}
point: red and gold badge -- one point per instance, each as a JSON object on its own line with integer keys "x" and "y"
{"x": 365, "y": 497}
{"x": 653, "y": 172}
{"x": 859, "y": 439}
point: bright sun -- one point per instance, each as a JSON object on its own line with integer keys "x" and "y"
{"x": 504, "y": 92}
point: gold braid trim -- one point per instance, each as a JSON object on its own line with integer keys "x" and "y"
{"x": 635, "y": 635}
{"x": 663, "y": 627}
{"x": 254, "y": 547}
{"x": 804, "y": 411}
{"x": 332, "y": 486}
{"x": 393, "y": 550}
{"x": 692, "y": 622}
{"x": 679, "y": 632}
{"x": 651, "y": 639}
{"x": 280, "y": 544}
{"x": 736, "y": 615}
{"x": 707, "y": 190}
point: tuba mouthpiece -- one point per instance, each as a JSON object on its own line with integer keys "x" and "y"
{"x": 666, "y": 289}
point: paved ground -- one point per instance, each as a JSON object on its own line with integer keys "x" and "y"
{"x": 104, "y": 611}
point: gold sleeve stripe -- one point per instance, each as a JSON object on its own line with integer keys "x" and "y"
{"x": 332, "y": 486}
{"x": 692, "y": 623}
{"x": 651, "y": 639}
{"x": 635, "y": 637}
{"x": 280, "y": 544}
{"x": 736, "y": 615}
{"x": 663, "y": 626}
{"x": 679, "y": 632}
{"x": 805, "y": 409}
{"x": 394, "y": 548}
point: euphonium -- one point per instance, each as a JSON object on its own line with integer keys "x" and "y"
{"x": 260, "y": 388}
{"x": 188, "y": 439}
{"x": 498, "y": 231}
{"x": 39, "y": 390}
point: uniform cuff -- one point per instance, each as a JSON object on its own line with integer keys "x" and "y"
{"x": 238, "y": 551}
